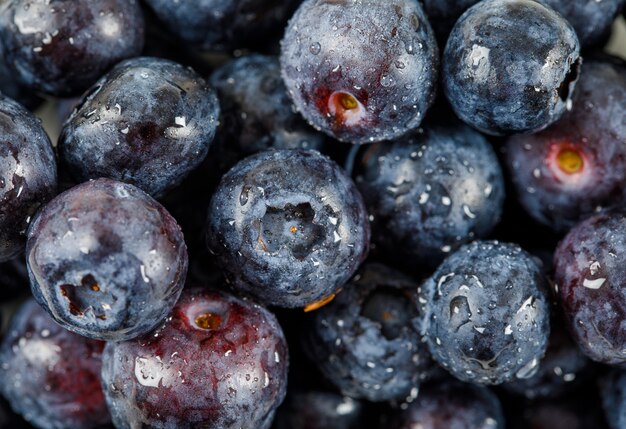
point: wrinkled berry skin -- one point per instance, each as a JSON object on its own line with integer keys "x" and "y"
{"x": 589, "y": 277}
{"x": 217, "y": 362}
{"x": 452, "y": 404}
{"x": 320, "y": 410}
{"x": 361, "y": 70}
{"x": 592, "y": 19}
{"x": 223, "y": 25}
{"x": 494, "y": 66}
{"x": 148, "y": 122}
{"x": 106, "y": 260}
{"x": 50, "y": 375}
{"x": 432, "y": 192}
{"x": 289, "y": 225}
{"x": 367, "y": 341}
{"x": 62, "y": 47}
{"x": 613, "y": 392}
{"x": 486, "y": 314}
{"x": 28, "y": 174}
{"x": 551, "y": 189}
{"x": 256, "y": 112}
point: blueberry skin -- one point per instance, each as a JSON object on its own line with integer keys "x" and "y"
{"x": 613, "y": 393}
{"x": 494, "y": 73}
{"x": 148, "y": 122}
{"x": 63, "y": 47}
{"x": 589, "y": 277}
{"x": 289, "y": 225}
{"x": 223, "y": 25}
{"x": 12, "y": 88}
{"x": 361, "y": 71}
{"x": 367, "y": 341}
{"x": 486, "y": 314}
{"x": 431, "y": 192}
{"x": 443, "y": 14}
{"x": 592, "y": 19}
{"x": 256, "y": 112}
{"x": 320, "y": 410}
{"x": 106, "y": 260}
{"x": 50, "y": 375}
{"x": 217, "y": 362}
{"x": 28, "y": 174}
{"x": 594, "y": 131}
{"x": 452, "y": 404}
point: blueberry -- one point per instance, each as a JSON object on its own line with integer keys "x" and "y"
{"x": 486, "y": 314}
{"x": 452, "y": 404}
{"x": 224, "y": 24}
{"x": 320, "y": 410}
{"x": 217, "y": 362}
{"x": 62, "y": 47}
{"x": 28, "y": 174}
{"x": 256, "y": 112}
{"x": 589, "y": 276}
{"x": 568, "y": 171}
{"x": 12, "y": 88}
{"x": 148, "y": 122}
{"x": 431, "y": 192}
{"x": 361, "y": 71}
{"x": 50, "y": 375}
{"x": 613, "y": 392}
{"x": 106, "y": 260}
{"x": 367, "y": 341}
{"x": 510, "y": 66}
{"x": 289, "y": 226}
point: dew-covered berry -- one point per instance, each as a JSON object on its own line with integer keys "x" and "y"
{"x": 361, "y": 70}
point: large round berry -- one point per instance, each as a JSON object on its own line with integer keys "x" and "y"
{"x": 61, "y": 47}
{"x": 216, "y": 363}
{"x": 50, "y": 375}
{"x": 361, "y": 70}
{"x": 106, "y": 260}
{"x": 367, "y": 341}
{"x": 432, "y": 192}
{"x": 486, "y": 314}
{"x": 451, "y": 404}
{"x": 289, "y": 226}
{"x": 568, "y": 171}
{"x": 28, "y": 174}
{"x": 589, "y": 276}
{"x": 510, "y": 66}
{"x": 148, "y": 122}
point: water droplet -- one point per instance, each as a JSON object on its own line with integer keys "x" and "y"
{"x": 315, "y": 48}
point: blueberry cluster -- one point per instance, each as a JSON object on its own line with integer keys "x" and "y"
{"x": 312, "y": 214}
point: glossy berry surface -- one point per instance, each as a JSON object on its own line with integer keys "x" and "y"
{"x": 224, "y": 25}
{"x": 148, "y": 122}
{"x": 106, "y": 260}
{"x": 12, "y": 88}
{"x": 578, "y": 165}
{"x": 450, "y": 404}
{"x": 320, "y": 410}
{"x": 361, "y": 70}
{"x": 217, "y": 362}
{"x": 289, "y": 226}
{"x": 50, "y": 375}
{"x": 367, "y": 341}
{"x": 486, "y": 314}
{"x": 28, "y": 174}
{"x": 589, "y": 277}
{"x": 256, "y": 112}
{"x": 510, "y": 66}
{"x": 431, "y": 192}
{"x": 62, "y": 47}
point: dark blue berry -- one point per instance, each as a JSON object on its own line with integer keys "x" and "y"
{"x": 361, "y": 71}
{"x": 217, "y": 362}
{"x": 486, "y": 314}
{"x": 431, "y": 192}
{"x": 289, "y": 226}
{"x": 510, "y": 66}
{"x": 442, "y": 14}
{"x": 578, "y": 165}
{"x": 148, "y": 122}
{"x": 367, "y": 341}
{"x": 106, "y": 260}
{"x": 320, "y": 410}
{"x": 28, "y": 174}
{"x": 62, "y": 47}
